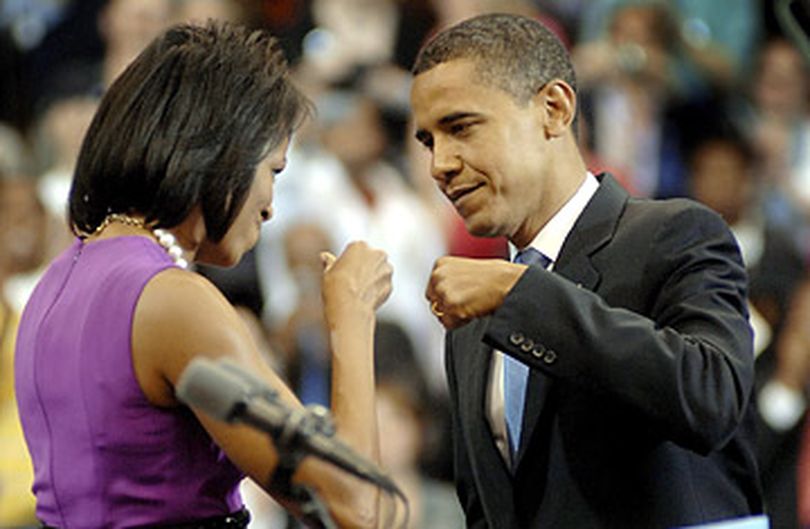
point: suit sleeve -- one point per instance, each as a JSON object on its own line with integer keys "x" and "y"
{"x": 685, "y": 364}
{"x": 462, "y": 469}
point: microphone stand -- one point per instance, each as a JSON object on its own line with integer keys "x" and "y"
{"x": 314, "y": 513}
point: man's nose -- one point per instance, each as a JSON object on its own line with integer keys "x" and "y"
{"x": 446, "y": 162}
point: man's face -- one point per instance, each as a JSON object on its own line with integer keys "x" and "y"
{"x": 488, "y": 151}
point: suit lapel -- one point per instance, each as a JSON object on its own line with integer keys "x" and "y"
{"x": 473, "y": 371}
{"x": 593, "y": 230}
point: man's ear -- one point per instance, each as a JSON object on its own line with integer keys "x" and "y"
{"x": 559, "y": 103}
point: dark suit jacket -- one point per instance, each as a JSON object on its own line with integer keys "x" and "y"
{"x": 637, "y": 413}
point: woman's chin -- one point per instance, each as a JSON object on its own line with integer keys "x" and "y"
{"x": 212, "y": 255}
{"x": 219, "y": 263}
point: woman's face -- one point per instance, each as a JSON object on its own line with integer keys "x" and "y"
{"x": 258, "y": 208}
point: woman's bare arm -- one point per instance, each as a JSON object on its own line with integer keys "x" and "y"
{"x": 181, "y": 316}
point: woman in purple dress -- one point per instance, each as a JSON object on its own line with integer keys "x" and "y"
{"x": 177, "y": 167}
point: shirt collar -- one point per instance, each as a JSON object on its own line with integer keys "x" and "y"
{"x": 552, "y": 236}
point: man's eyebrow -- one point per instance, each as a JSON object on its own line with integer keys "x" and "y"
{"x": 424, "y": 136}
{"x": 455, "y": 116}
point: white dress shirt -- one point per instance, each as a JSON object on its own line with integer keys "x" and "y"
{"x": 549, "y": 242}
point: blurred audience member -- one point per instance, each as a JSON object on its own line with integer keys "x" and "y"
{"x": 345, "y": 165}
{"x": 350, "y": 34}
{"x": 569, "y": 12}
{"x": 304, "y": 338}
{"x": 789, "y": 386}
{"x": 124, "y": 28}
{"x": 453, "y": 11}
{"x": 17, "y": 254}
{"x": 24, "y": 238}
{"x": 58, "y": 137}
{"x": 23, "y": 228}
{"x": 713, "y": 40}
{"x": 198, "y": 11}
{"x": 127, "y": 26}
{"x": 627, "y": 82}
{"x": 13, "y": 151}
{"x": 723, "y": 176}
{"x": 777, "y": 118}
{"x": 408, "y": 415}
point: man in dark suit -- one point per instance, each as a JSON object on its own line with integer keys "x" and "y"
{"x": 607, "y": 383}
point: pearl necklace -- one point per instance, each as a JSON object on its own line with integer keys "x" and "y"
{"x": 164, "y": 238}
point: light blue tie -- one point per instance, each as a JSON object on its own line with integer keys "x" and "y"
{"x": 515, "y": 372}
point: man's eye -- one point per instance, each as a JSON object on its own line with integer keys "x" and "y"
{"x": 460, "y": 128}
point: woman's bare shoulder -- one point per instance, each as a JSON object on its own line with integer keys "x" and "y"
{"x": 181, "y": 315}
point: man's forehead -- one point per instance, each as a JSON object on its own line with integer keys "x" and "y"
{"x": 439, "y": 100}
{"x": 447, "y": 72}
{"x": 444, "y": 84}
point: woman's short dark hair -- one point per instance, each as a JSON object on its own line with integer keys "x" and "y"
{"x": 186, "y": 124}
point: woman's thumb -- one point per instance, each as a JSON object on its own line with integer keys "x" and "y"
{"x": 327, "y": 260}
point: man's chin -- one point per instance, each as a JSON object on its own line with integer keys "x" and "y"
{"x": 476, "y": 228}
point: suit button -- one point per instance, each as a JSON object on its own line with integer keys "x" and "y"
{"x": 538, "y": 351}
{"x": 550, "y": 357}
{"x": 527, "y": 346}
{"x": 516, "y": 338}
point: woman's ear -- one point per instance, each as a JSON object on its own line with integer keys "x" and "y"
{"x": 559, "y": 103}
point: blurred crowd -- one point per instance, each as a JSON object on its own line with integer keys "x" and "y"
{"x": 708, "y": 99}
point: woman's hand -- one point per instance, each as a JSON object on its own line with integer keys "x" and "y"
{"x": 359, "y": 279}
{"x": 354, "y": 286}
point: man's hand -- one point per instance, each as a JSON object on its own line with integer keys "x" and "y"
{"x": 462, "y": 289}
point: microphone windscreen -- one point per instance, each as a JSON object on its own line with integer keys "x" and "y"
{"x": 210, "y": 388}
{"x": 256, "y": 384}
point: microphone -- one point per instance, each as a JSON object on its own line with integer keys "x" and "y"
{"x": 228, "y": 393}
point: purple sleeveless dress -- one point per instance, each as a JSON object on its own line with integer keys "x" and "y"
{"x": 103, "y": 455}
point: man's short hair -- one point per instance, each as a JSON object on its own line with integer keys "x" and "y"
{"x": 514, "y": 53}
